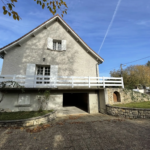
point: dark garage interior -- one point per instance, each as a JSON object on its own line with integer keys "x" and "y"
{"x": 79, "y": 100}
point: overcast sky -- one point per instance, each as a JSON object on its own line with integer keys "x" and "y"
{"x": 128, "y": 38}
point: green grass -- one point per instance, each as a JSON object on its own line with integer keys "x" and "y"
{"x": 135, "y": 105}
{"x": 22, "y": 114}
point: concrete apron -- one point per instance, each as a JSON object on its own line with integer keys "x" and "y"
{"x": 65, "y": 111}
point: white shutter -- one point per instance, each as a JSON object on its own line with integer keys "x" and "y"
{"x": 49, "y": 43}
{"x": 53, "y": 74}
{"x": 63, "y": 44}
{"x": 30, "y": 72}
{"x": 54, "y": 70}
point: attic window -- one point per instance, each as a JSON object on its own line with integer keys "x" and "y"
{"x": 57, "y": 45}
{"x": 53, "y": 44}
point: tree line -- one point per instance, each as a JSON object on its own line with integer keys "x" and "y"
{"x": 134, "y": 75}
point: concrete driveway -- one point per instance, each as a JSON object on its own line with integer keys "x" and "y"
{"x": 81, "y": 132}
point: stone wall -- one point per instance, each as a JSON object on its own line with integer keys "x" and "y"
{"x": 29, "y": 122}
{"x": 126, "y": 96}
{"x": 128, "y": 112}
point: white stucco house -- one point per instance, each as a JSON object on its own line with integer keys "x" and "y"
{"x": 53, "y": 57}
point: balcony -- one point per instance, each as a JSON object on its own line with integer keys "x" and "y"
{"x": 37, "y": 81}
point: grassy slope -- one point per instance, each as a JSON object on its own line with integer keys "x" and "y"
{"x": 22, "y": 114}
{"x": 135, "y": 105}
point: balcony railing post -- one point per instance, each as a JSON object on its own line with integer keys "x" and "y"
{"x": 122, "y": 82}
{"x": 103, "y": 82}
{"x": 54, "y": 82}
{"x": 89, "y": 82}
{"x": 49, "y": 81}
{"x": 43, "y": 80}
{"x": 34, "y": 83}
{"x": 72, "y": 83}
{"x": 14, "y": 77}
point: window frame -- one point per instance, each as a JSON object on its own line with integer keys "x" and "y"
{"x": 43, "y": 74}
{"x": 58, "y": 45}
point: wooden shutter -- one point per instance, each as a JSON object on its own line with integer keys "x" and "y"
{"x": 63, "y": 44}
{"x": 53, "y": 74}
{"x": 30, "y": 71}
{"x": 49, "y": 43}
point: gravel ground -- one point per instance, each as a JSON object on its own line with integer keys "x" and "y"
{"x": 80, "y": 132}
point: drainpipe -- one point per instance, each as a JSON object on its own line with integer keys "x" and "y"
{"x": 97, "y": 69}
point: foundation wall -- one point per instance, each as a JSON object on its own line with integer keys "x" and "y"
{"x": 11, "y": 102}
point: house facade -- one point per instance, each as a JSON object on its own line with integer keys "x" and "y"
{"x": 50, "y": 57}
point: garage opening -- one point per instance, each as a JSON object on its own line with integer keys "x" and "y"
{"x": 79, "y": 100}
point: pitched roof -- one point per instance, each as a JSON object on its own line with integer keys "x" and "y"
{"x": 2, "y": 50}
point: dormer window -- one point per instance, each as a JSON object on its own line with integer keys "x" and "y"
{"x": 57, "y": 45}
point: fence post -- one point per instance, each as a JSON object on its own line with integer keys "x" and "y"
{"x": 122, "y": 82}
{"x": 72, "y": 83}
{"x": 103, "y": 82}
{"x": 54, "y": 82}
{"x": 49, "y": 81}
{"x": 14, "y": 77}
{"x": 89, "y": 82}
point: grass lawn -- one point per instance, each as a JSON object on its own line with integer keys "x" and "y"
{"x": 22, "y": 114}
{"x": 135, "y": 105}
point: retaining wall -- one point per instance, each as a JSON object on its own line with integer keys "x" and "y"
{"x": 29, "y": 122}
{"x": 128, "y": 112}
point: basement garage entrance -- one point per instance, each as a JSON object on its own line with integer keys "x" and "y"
{"x": 78, "y": 101}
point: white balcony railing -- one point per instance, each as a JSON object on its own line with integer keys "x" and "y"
{"x": 62, "y": 81}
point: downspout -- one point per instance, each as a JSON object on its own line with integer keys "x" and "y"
{"x": 98, "y": 95}
{"x": 97, "y": 69}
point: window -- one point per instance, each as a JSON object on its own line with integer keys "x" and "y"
{"x": 24, "y": 99}
{"x": 43, "y": 71}
{"x": 53, "y": 44}
{"x": 57, "y": 45}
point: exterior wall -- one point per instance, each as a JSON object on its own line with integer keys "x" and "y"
{"x": 126, "y": 96}
{"x": 10, "y": 102}
{"x": 75, "y": 61}
{"x": 93, "y": 103}
{"x": 55, "y": 102}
